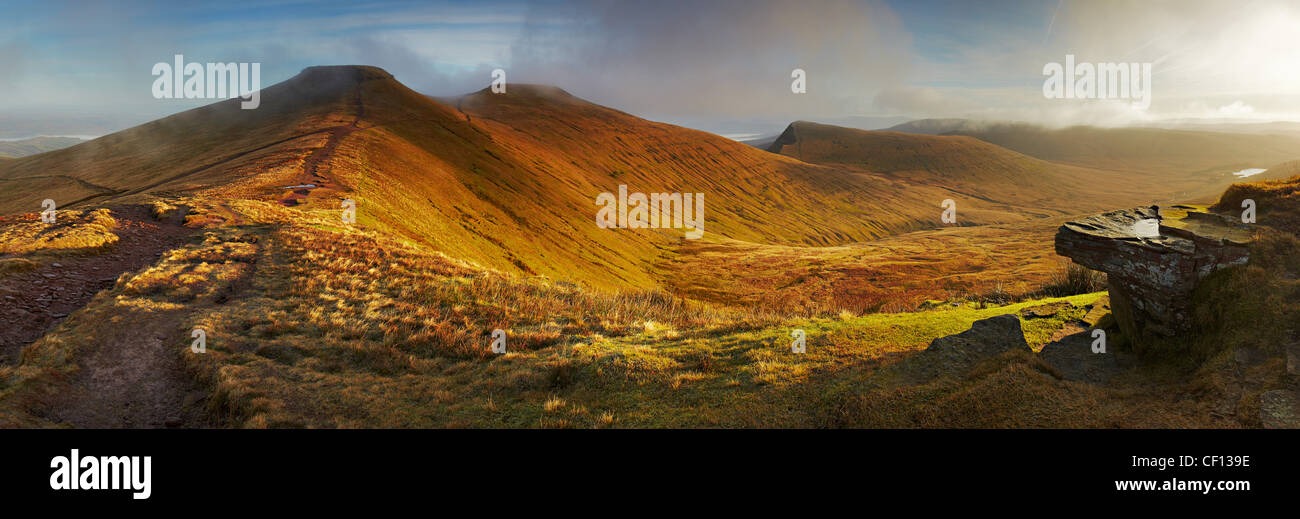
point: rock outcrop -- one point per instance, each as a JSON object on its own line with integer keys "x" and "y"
{"x": 985, "y": 339}
{"x": 1074, "y": 358}
{"x": 1154, "y": 259}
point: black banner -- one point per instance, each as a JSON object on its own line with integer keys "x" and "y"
{"x": 312, "y": 469}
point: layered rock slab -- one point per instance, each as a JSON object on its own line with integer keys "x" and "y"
{"x": 1154, "y": 260}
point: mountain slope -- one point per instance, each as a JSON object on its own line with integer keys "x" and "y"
{"x": 510, "y": 181}
{"x": 969, "y": 166}
{"x": 207, "y": 146}
{"x": 35, "y": 145}
{"x": 1184, "y": 153}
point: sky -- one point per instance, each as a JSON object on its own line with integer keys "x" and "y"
{"x": 84, "y": 68}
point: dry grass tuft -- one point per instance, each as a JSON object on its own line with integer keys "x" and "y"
{"x": 73, "y": 232}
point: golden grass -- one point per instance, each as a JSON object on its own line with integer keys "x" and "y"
{"x": 1277, "y": 202}
{"x": 73, "y": 232}
{"x": 314, "y": 325}
{"x": 894, "y": 274}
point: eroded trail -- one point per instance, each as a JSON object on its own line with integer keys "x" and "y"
{"x": 130, "y": 374}
{"x": 38, "y": 300}
{"x": 133, "y": 377}
{"x": 312, "y": 173}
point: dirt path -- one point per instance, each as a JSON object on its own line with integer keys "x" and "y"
{"x": 135, "y": 378}
{"x": 132, "y": 375}
{"x": 37, "y": 300}
{"x": 311, "y": 168}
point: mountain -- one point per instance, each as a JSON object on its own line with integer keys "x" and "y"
{"x": 1211, "y": 125}
{"x": 936, "y": 126}
{"x": 214, "y": 145}
{"x": 1185, "y": 154}
{"x": 969, "y": 166}
{"x": 34, "y": 145}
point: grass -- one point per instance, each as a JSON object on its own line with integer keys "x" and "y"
{"x": 26, "y": 242}
{"x": 996, "y": 264}
{"x": 73, "y": 232}
{"x": 1075, "y": 279}
{"x": 311, "y": 324}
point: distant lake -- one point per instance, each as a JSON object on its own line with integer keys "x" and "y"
{"x": 1248, "y": 172}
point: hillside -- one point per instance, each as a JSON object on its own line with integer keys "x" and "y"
{"x": 311, "y": 325}
{"x": 969, "y": 166}
{"x": 509, "y": 182}
{"x": 219, "y": 143}
{"x": 35, "y": 145}
{"x": 1198, "y": 160}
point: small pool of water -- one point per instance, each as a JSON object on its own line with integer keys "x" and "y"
{"x": 1248, "y": 172}
{"x": 1147, "y": 228}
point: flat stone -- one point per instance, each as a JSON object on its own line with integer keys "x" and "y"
{"x": 1047, "y": 310}
{"x": 1097, "y": 310}
{"x": 1074, "y": 359}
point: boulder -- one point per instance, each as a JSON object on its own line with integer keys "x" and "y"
{"x": 1154, "y": 259}
{"x": 1073, "y": 358}
{"x": 958, "y": 353}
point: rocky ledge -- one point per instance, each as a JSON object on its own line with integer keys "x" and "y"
{"x": 1154, "y": 258}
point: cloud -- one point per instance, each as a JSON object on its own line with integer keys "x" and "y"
{"x": 696, "y": 63}
{"x": 1237, "y": 108}
{"x": 919, "y": 101}
{"x": 723, "y": 58}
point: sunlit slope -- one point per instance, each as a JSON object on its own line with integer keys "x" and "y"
{"x": 207, "y": 146}
{"x": 510, "y": 180}
{"x": 969, "y": 166}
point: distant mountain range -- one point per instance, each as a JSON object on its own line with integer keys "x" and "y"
{"x": 32, "y": 146}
